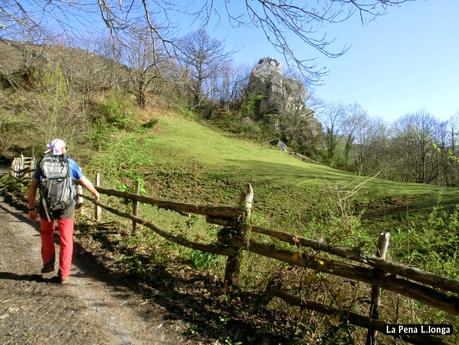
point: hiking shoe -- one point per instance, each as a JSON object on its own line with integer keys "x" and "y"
{"x": 48, "y": 268}
{"x": 62, "y": 280}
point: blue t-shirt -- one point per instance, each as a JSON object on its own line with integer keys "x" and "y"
{"x": 75, "y": 170}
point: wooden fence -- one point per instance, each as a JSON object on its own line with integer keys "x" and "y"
{"x": 234, "y": 238}
{"x": 22, "y": 167}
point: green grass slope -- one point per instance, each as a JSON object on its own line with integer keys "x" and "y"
{"x": 183, "y": 159}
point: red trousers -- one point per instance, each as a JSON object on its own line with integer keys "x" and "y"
{"x": 48, "y": 251}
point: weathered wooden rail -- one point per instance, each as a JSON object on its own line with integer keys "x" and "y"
{"x": 22, "y": 166}
{"x": 434, "y": 290}
{"x": 234, "y": 238}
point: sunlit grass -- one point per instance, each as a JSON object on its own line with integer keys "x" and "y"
{"x": 185, "y": 159}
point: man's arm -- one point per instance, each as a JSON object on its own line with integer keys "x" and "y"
{"x": 90, "y": 187}
{"x": 31, "y": 197}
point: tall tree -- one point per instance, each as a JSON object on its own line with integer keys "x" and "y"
{"x": 413, "y": 147}
{"x": 144, "y": 57}
{"x": 333, "y": 118}
{"x": 371, "y": 147}
{"x": 354, "y": 116}
{"x": 202, "y": 56}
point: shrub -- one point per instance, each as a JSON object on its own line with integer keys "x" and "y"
{"x": 117, "y": 112}
{"x": 202, "y": 260}
{"x": 252, "y": 106}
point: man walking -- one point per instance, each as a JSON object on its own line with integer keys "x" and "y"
{"x": 54, "y": 176}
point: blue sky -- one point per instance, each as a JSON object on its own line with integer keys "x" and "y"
{"x": 404, "y": 61}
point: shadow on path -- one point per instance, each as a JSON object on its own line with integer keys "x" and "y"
{"x": 26, "y": 277}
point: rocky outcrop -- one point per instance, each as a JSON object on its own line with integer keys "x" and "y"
{"x": 266, "y": 83}
{"x": 280, "y": 101}
{"x": 275, "y": 93}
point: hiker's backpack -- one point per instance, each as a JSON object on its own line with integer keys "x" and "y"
{"x": 56, "y": 188}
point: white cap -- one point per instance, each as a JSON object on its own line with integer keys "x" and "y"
{"x": 56, "y": 146}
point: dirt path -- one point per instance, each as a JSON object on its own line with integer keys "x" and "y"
{"x": 85, "y": 311}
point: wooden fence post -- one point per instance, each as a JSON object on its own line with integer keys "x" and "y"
{"x": 135, "y": 207}
{"x": 32, "y": 166}
{"x": 233, "y": 263}
{"x": 98, "y": 208}
{"x": 17, "y": 167}
{"x": 79, "y": 204}
{"x": 383, "y": 244}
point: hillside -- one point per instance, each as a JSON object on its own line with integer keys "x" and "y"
{"x": 183, "y": 158}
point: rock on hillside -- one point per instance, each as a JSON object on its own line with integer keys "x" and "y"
{"x": 273, "y": 93}
{"x": 277, "y": 93}
{"x": 266, "y": 80}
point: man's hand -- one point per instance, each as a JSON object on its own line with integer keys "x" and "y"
{"x": 97, "y": 197}
{"x": 33, "y": 215}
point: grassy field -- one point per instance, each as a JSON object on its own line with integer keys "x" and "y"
{"x": 181, "y": 158}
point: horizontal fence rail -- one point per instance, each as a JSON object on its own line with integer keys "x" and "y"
{"x": 210, "y": 248}
{"x": 211, "y": 211}
{"x": 402, "y": 279}
{"x": 404, "y": 287}
{"x": 353, "y": 318}
{"x": 411, "y": 273}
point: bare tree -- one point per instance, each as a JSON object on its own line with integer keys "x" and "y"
{"x": 240, "y": 75}
{"x": 371, "y": 147}
{"x": 355, "y": 115}
{"x": 228, "y": 83}
{"x": 447, "y": 150}
{"x": 203, "y": 56}
{"x": 343, "y": 124}
{"x": 454, "y": 152}
{"x": 413, "y": 147}
{"x": 143, "y": 59}
{"x": 333, "y": 120}
{"x": 113, "y": 69}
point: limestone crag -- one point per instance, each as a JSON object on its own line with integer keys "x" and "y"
{"x": 277, "y": 93}
{"x": 280, "y": 101}
{"x": 266, "y": 80}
